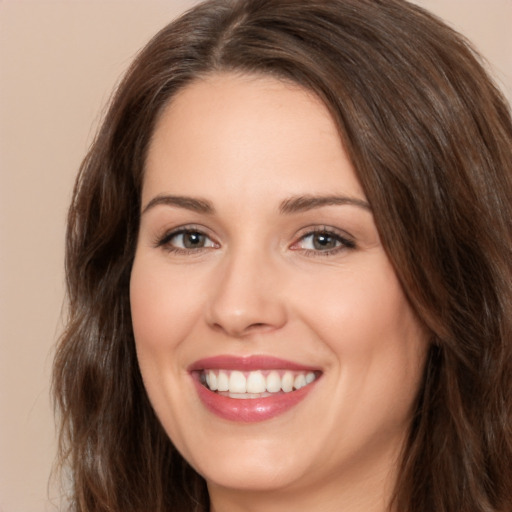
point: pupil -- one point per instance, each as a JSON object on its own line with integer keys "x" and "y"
{"x": 193, "y": 240}
{"x": 324, "y": 241}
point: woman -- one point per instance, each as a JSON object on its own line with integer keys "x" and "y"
{"x": 289, "y": 270}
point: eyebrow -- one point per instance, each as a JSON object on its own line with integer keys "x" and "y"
{"x": 295, "y": 204}
{"x": 309, "y": 202}
{"x": 188, "y": 203}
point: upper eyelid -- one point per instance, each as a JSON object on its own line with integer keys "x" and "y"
{"x": 346, "y": 240}
{"x": 311, "y": 230}
{"x": 167, "y": 234}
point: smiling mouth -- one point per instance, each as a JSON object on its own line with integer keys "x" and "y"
{"x": 255, "y": 384}
{"x": 252, "y": 388}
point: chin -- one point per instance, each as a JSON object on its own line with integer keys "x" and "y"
{"x": 256, "y": 476}
{"x": 251, "y": 465}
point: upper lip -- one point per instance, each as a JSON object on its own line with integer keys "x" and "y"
{"x": 247, "y": 363}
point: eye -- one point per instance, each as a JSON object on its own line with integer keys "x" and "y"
{"x": 186, "y": 240}
{"x": 324, "y": 241}
{"x": 190, "y": 240}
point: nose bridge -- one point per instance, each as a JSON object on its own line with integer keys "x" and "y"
{"x": 246, "y": 297}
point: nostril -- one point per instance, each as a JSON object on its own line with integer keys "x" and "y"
{"x": 258, "y": 327}
{"x": 242, "y": 331}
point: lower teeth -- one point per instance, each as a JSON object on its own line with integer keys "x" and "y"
{"x": 243, "y": 396}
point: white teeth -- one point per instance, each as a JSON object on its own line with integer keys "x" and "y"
{"x": 287, "y": 382}
{"x": 222, "y": 382}
{"x": 237, "y": 382}
{"x": 300, "y": 381}
{"x": 273, "y": 382}
{"x": 245, "y": 396}
{"x": 254, "y": 384}
{"x": 211, "y": 380}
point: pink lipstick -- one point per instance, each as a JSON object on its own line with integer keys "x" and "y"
{"x": 251, "y": 389}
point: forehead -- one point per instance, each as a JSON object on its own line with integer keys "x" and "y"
{"x": 246, "y": 131}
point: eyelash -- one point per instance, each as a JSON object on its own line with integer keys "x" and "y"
{"x": 165, "y": 241}
{"x": 342, "y": 241}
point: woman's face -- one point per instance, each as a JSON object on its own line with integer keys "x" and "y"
{"x": 259, "y": 272}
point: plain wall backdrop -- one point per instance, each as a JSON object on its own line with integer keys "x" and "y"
{"x": 59, "y": 61}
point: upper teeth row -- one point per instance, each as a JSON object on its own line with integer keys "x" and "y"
{"x": 256, "y": 382}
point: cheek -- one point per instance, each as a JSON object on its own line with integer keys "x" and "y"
{"x": 365, "y": 303}
{"x": 148, "y": 305}
{"x": 161, "y": 318}
{"x": 149, "y": 302}
{"x": 376, "y": 344}
{"x": 163, "y": 307}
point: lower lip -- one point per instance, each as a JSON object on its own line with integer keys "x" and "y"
{"x": 250, "y": 410}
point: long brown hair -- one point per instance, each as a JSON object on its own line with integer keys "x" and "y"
{"x": 430, "y": 138}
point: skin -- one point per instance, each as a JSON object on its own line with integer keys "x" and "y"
{"x": 260, "y": 285}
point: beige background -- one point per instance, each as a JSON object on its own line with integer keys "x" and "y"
{"x": 59, "y": 61}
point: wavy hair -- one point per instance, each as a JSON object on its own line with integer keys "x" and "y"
{"x": 430, "y": 138}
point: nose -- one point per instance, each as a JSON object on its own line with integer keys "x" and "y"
{"x": 247, "y": 297}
